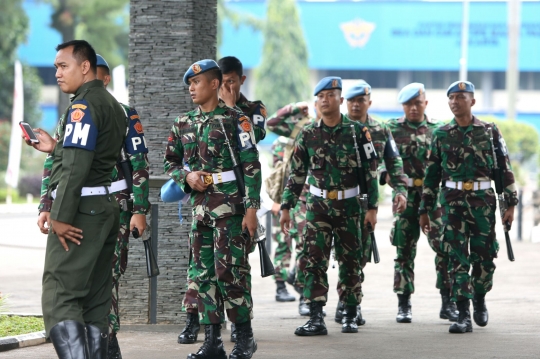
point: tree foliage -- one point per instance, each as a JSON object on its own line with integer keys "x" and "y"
{"x": 283, "y": 76}
{"x": 237, "y": 19}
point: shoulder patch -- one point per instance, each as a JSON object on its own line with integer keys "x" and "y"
{"x": 80, "y": 131}
{"x": 245, "y": 135}
{"x": 390, "y": 149}
{"x": 135, "y": 141}
{"x": 367, "y": 152}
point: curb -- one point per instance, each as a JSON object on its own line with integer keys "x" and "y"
{"x": 21, "y": 341}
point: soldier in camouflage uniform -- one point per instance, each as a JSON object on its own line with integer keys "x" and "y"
{"x": 413, "y": 135}
{"x": 462, "y": 158}
{"x": 326, "y": 151}
{"x": 200, "y": 139}
{"x": 358, "y": 102}
{"x": 233, "y": 78}
{"x": 132, "y": 210}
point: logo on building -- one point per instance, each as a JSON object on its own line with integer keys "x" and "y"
{"x": 357, "y": 32}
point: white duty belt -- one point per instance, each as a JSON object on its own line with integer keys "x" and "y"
{"x": 334, "y": 194}
{"x": 469, "y": 185}
{"x": 116, "y": 186}
{"x": 415, "y": 182}
{"x": 220, "y": 177}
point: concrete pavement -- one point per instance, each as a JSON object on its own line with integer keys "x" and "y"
{"x": 512, "y": 332}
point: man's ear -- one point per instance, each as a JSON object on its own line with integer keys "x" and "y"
{"x": 242, "y": 79}
{"x": 85, "y": 65}
{"x": 215, "y": 84}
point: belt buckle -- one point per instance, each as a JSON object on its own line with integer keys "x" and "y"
{"x": 208, "y": 179}
{"x": 332, "y": 194}
{"x": 418, "y": 182}
{"x": 469, "y": 185}
{"x": 219, "y": 177}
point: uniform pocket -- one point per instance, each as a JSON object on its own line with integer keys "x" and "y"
{"x": 450, "y": 156}
{"x": 91, "y": 206}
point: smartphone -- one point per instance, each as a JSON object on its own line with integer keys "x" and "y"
{"x": 28, "y": 132}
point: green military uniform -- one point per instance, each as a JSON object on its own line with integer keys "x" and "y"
{"x": 77, "y": 283}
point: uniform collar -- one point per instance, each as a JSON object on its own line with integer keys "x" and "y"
{"x": 242, "y": 101}
{"x": 87, "y": 86}
{"x": 475, "y": 122}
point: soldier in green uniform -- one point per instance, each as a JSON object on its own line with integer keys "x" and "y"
{"x": 462, "y": 159}
{"x": 358, "y": 102}
{"x": 84, "y": 217}
{"x": 413, "y": 135}
{"x": 133, "y": 209}
{"x": 327, "y": 153}
{"x": 201, "y": 139}
{"x": 233, "y": 78}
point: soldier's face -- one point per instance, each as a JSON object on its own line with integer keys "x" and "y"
{"x": 103, "y": 75}
{"x": 357, "y": 107}
{"x": 233, "y": 82}
{"x": 70, "y": 75}
{"x": 328, "y": 102}
{"x": 460, "y": 103}
{"x": 415, "y": 108}
{"x": 202, "y": 89}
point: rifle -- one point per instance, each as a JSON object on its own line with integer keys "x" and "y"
{"x": 503, "y": 204}
{"x": 360, "y": 174}
{"x": 151, "y": 263}
{"x": 267, "y": 268}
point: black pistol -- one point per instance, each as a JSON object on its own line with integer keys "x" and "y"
{"x": 151, "y": 263}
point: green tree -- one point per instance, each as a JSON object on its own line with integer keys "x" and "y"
{"x": 237, "y": 19}
{"x": 283, "y": 76}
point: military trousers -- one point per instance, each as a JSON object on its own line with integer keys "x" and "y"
{"x": 190, "y": 302}
{"x": 469, "y": 238}
{"x": 119, "y": 265}
{"x": 283, "y": 252}
{"x": 319, "y": 232}
{"x": 404, "y": 236}
{"x": 296, "y": 233}
{"x": 220, "y": 255}
{"x": 77, "y": 284}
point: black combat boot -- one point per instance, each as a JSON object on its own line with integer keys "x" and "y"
{"x": 315, "y": 325}
{"x": 349, "y": 320}
{"x": 303, "y": 307}
{"x": 480, "y": 313}
{"x": 282, "y": 295}
{"x": 98, "y": 341}
{"x": 359, "y": 320}
{"x": 212, "y": 347}
{"x": 463, "y": 325}
{"x": 338, "y": 318}
{"x": 404, "y": 308}
{"x": 114, "y": 349}
{"x": 191, "y": 330}
{"x": 245, "y": 343}
{"x": 69, "y": 340}
{"x": 233, "y": 333}
{"x": 448, "y": 308}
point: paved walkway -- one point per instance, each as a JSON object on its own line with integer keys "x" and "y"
{"x": 513, "y": 330}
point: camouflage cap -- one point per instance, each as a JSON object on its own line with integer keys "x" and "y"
{"x": 361, "y": 88}
{"x": 460, "y": 86}
{"x": 198, "y": 68}
{"x": 411, "y": 91}
{"x": 328, "y": 83}
{"x": 101, "y": 61}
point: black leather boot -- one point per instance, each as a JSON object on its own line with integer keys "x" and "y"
{"x": 191, "y": 330}
{"x": 349, "y": 320}
{"x": 448, "y": 308}
{"x": 233, "y": 333}
{"x": 480, "y": 313}
{"x": 303, "y": 307}
{"x": 245, "y": 343}
{"x": 463, "y": 325}
{"x": 404, "y": 308}
{"x": 359, "y": 320}
{"x": 69, "y": 340}
{"x": 315, "y": 325}
{"x": 282, "y": 295}
{"x": 114, "y": 349}
{"x": 338, "y": 318}
{"x": 212, "y": 347}
{"x": 98, "y": 341}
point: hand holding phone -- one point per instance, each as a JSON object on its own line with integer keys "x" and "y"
{"x": 28, "y": 132}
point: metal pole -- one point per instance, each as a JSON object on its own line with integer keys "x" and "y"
{"x": 153, "y": 280}
{"x": 512, "y": 72}
{"x": 464, "y": 42}
{"x": 269, "y": 232}
{"x": 520, "y": 216}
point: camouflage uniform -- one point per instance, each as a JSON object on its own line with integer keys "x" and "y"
{"x": 136, "y": 151}
{"x": 465, "y": 154}
{"x": 328, "y": 156}
{"x": 413, "y": 141}
{"x": 220, "y": 252}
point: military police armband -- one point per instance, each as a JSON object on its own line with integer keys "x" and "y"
{"x": 367, "y": 150}
{"x": 390, "y": 149}
{"x": 245, "y": 136}
{"x": 80, "y": 131}
{"x": 501, "y": 150}
{"x": 259, "y": 116}
{"x": 135, "y": 141}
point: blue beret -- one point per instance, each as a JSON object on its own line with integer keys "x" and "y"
{"x": 411, "y": 91}
{"x": 360, "y": 89}
{"x": 101, "y": 61}
{"x": 460, "y": 86}
{"x": 328, "y": 83}
{"x": 198, "y": 68}
{"x": 171, "y": 192}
